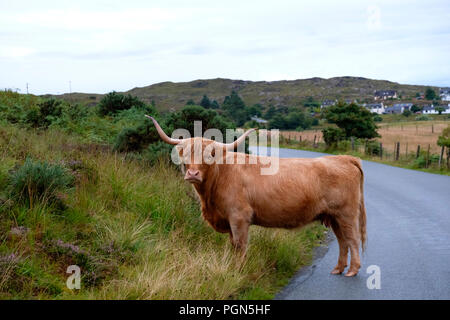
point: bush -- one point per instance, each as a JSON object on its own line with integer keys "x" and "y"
{"x": 331, "y": 136}
{"x": 135, "y": 139}
{"x": 158, "y": 151}
{"x": 373, "y": 148}
{"x": 420, "y": 162}
{"x": 113, "y": 102}
{"x": 344, "y": 145}
{"x": 407, "y": 113}
{"x": 423, "y": 117}
{"x": 36, "y": 180}
{"x": 377, "y": 118}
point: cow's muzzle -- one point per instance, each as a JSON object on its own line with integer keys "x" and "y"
{"x": 193, "y": 176}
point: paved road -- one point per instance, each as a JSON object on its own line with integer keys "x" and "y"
{"x": 408, "y": 216}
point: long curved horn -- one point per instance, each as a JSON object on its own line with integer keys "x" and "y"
{"x": 162, "y": 134}
{"x": 233, "y": 145}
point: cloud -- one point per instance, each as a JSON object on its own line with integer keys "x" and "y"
{"x": 106, "y": 45}
{"x": 373, "y": 18}
{"x": 11, "y": 52}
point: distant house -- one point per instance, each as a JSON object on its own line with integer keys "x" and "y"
{"x": 444, "y": 93}
{"x": 431, "y": 109}
{"x": 327, "y": 103}
{"x": 259, "y": 120}
{"x": 393, "y": 109}
{"x": 404, "y": 106}
{"x": 348, "y": 101}
{"x": 375, "y": 107}
{"x": 399, "y": 108}
{"x": 385, "y": 94}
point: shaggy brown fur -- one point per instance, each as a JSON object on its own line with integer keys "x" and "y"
{"x": 235, "y": 196}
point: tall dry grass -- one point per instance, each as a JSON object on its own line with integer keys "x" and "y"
{"x": 135, "y": 230}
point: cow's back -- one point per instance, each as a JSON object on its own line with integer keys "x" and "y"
{"x": 301, "y": 190}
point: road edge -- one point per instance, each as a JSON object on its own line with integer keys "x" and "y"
{"x": 307, "y": 271}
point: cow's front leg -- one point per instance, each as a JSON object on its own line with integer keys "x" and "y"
{"x": 239, "y": 233}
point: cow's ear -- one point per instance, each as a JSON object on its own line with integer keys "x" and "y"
{"x": 213, "y": 152}
{"x": 179, "y": 150}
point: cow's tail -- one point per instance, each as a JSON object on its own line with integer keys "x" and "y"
{"x": 362, "y": 208}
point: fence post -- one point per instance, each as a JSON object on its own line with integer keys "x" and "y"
{"x": 448, "y": 158}
{"x": 418, "y": 151}
{"x": 428, "y": 156}
{"x": 381, "y": 151}
{"x": 314, "y": 144}
{"x": 406, "y": 152}
{"x": 397, "y": 153}
{"x": 353, "y": 143}
{"x": 432, "y": 128}
{"x": 441, "y": 156}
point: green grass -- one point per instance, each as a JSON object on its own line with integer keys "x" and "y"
{"x": 134, "y": 230}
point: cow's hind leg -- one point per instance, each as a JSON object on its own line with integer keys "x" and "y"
{"x": 351, "y": 234}
{"x": 343, "y": 248}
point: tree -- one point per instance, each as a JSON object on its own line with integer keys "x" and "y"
{"x": 430, "y": 94}
{"x": 311, "y": 103}
{"x": 235, "y": 109}
{"x": 215, "y": 105}
{"x": 407, "y": 113}
{"x": 270, "y": 113}
{"x": 184, "y": 119}
{"x": 444, "y": 141}
{"x": 190, "y": 102}
{"x": 439, "y": 109}
{"x": 254, "y": 110}
{"x": 354, "y": 120}
{"x": 205, "y": 102}
{"x": 444, "y": 138}
{"x": 415, "y": 108}
{"x": 277, "y": 122}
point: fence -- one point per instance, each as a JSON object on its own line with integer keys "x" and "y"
{"x": 421, "y": 155}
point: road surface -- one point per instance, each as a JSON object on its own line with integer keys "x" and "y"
{"x": 408, "y": 228}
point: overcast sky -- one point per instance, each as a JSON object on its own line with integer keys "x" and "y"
{"x": 102, "y": 46}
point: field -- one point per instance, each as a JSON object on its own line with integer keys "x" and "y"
{"x": 409, "y": 134}
{"x": 134, "y": 229}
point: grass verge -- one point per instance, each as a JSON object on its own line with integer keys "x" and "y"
{"x": 134, "y": 230}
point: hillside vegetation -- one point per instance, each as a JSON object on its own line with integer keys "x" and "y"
{"x": 126, "y": 218}
{"x": 170, "y": 96}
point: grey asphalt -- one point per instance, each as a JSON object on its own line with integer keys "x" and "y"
{"x": 408, "y": 228}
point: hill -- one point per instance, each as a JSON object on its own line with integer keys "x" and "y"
{"x": 174, "y": 95}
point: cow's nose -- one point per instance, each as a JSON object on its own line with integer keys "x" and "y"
{"x": 193, "y": 173}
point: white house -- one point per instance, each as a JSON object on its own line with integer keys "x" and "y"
{"x": 444, "y": 93}
{"x": 375, "y": 107}
{"x": 259, "y": 120}
{"x": 434, "y": 109}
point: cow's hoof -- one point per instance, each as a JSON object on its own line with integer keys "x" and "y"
{"x": 351, "y": 273}
{"x": 337, "y": 270}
